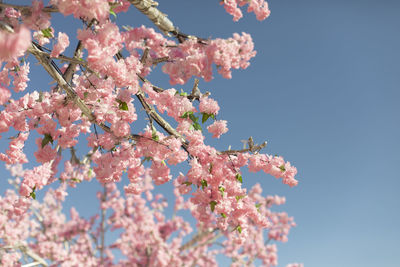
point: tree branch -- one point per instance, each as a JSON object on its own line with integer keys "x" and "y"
{"x": 197, "y": 238}
{"x": 27, "y": 9}
{"x": 54, "y": 72}
{"x": 149, "y": 8}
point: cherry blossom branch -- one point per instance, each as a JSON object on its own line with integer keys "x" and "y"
{"x": 48, "y": 64}
{"x": 77, "y": 53}
{"x": 52, "y": 69}
{"x": 250, "y": 261}
{"x": 102, "y": 223}
{"x": 196, "y": 239}
{"x": 149, "y": 8}
{"x": 209, "y": 241}
{"x": 44, "y": 59}
{"x": 160, "y": 120}
{"x": 28, "y": 252}
{"x": 154, "y": 115}
{"x": 48, "y": 9}
{"x": 252, "y": 148}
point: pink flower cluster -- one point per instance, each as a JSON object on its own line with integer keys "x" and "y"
{"x": 93, "y": 9}
{"x": 192, "y": 58}
{"x": 36, "y": 19}
{"x": 218, "y": 128}
{"x": 208, "y": 105}
{"x": 35, "y": 179}
{"x": 259, "y": 7}
{"x": 147, "y": 237}
{"x": 112, "y": 73}
{"x": 275, "y": 166}
{"x": 62, "y": 43}
{"x": 13, "y": 45}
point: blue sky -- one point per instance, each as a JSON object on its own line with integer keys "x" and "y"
{"x": 323, "y": 90}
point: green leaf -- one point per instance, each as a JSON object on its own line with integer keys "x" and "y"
{"x": 90, "y": 173}
{"x": 182, "y": 93}
{"x": 239, "y": 197}
{"x": 186, "y": 114}
{"x": 223, "y": 215}
{"x": 33, "y": 194}
{"x": 47, "y": 139}
{"x": 112, "y": 6}
{"x": 122, "y": 105}
{"x": 212, "y": 205}
{"x": 193, "y": 118}
{"x": 282, "y": 167}
{"x": 85, "y": 94}
{"x": 154, "y": 135}
{"x": 258, "y": 205}
{"x": 222, "y": 190}
{"x": 238, "y": 228}
{"x": 203, "y": 184}
{"x": 47, "y": 33}
{"x": 187, "y": 183}
{"x": 146, "y": 159}
{"x": 113, "y": 13}
{"x": 239, "y": 178}
{"x": 205, "y": 117}
{"x": 197, "y": 126}
{"x": 76, "y": 180}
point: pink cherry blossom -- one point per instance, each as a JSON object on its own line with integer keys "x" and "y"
{"x": 62, "y": 43}
{"x": 218, "y": 128}
{"x": 14, "y": 45}
{"x": 208, "y": 106}
{"x": 89, "y": 126}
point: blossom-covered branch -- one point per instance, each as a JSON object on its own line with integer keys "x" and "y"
{"x": 96, "y": 98}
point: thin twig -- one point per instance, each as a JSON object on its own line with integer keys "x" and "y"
{"x": 196, "y": 238}
{"x": 103, "y": 223}
{"x": 56, "y": 74}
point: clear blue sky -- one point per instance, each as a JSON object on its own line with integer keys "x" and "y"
{"x": 323, "y": 90}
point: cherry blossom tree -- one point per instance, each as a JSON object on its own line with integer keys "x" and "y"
{"x": 99, "y": 89}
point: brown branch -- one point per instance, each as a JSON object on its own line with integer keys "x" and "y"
{"x": 196, "y": 239}
{"x": 252, "y": 148}
{"x": 69, "y": 72}
{"x": 149, "y": 8}
{"x": 45, "y": 60}
{"x": 159, "y": 60}
{"x": 27, "y": 9}
{"x": 50, "y": 67}
{"x": 26, "y": 250}
{"x": 160, "y": 120}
